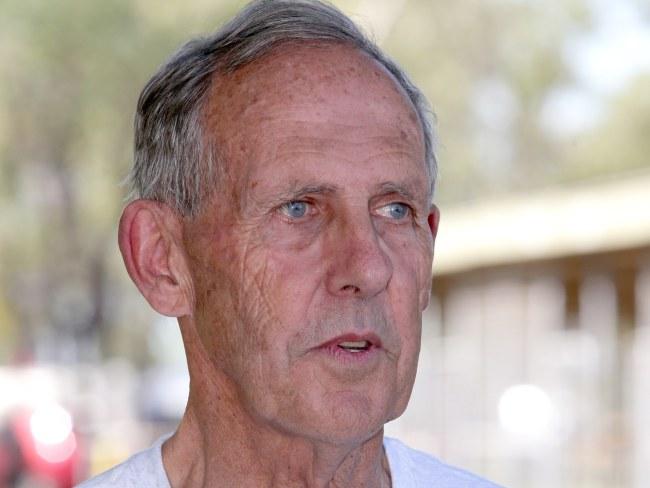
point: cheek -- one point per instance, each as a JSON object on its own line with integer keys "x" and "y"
{"x": 292, "y": 239}
{"x": 230, "y": 309}
{"x": 425, "y": 288}
{"x": 412, "y": 260}
{"x": 296, "y": 269}
{"x": 215, "y": 317}
{"x": 276, "y": 289}
{"x": 421, "y": 260}
{"x": 289, "y": 293}
{"x": 409, "y": 294}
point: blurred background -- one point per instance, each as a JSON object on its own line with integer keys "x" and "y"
{"x": 535, "y": 369}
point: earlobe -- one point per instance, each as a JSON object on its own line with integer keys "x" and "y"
{"x": 150, "y": 243}
{"x": 433, "y": 219}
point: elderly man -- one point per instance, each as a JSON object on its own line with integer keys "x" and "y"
{"x": 283, "y": 181}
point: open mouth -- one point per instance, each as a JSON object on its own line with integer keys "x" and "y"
{"x": 347, "y": 346}
{"x": 359, "y": 351}
{"x": 354, "y": 346}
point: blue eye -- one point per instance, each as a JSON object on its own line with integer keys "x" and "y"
{"x": 295, "y": 209}
{"x": 397, "y": 211}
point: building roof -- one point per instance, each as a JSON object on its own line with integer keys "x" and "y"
{"x": 584, "y": 219}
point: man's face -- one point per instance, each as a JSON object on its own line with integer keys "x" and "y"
{"x": 313, "y": 265}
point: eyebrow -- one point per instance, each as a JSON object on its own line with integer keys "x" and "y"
{"x": 297, "y": 191}
{"x": 404, "y": 190}
{"x": 320, "y": 189}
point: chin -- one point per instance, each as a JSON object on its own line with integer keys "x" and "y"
{"x": 350, "y": 418}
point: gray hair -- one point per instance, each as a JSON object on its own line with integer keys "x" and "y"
{"x": 174, "y": 160}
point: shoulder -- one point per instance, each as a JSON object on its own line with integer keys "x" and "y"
{"x": 414, "y": 469}
{"x": 142, "y": 470}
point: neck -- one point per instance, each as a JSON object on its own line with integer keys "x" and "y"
{"x": 218, "y": 443}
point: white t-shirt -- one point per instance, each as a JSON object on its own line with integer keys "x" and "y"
{"x": 408, "y": 468}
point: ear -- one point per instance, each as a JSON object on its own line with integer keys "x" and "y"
{"x": 150, "y": 239}
{"x": 434, "y": 220}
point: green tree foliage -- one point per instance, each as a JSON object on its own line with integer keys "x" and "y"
{"x": 621, "y": 142}
{"x": 72, "y": 73}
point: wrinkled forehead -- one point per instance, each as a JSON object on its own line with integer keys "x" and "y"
{"x": 295, "y": 75}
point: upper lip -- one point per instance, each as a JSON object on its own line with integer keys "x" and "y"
{"x": 372, "y": 338}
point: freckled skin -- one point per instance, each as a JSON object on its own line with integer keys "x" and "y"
{"x": 325, "y": 125}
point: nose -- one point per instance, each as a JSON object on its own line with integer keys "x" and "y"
{"x": 358, "y": 262}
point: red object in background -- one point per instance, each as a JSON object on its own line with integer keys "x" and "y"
{"x": 28, "y": 448}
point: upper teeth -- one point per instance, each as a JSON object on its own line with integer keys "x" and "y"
{"x": 354, "y": 344}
